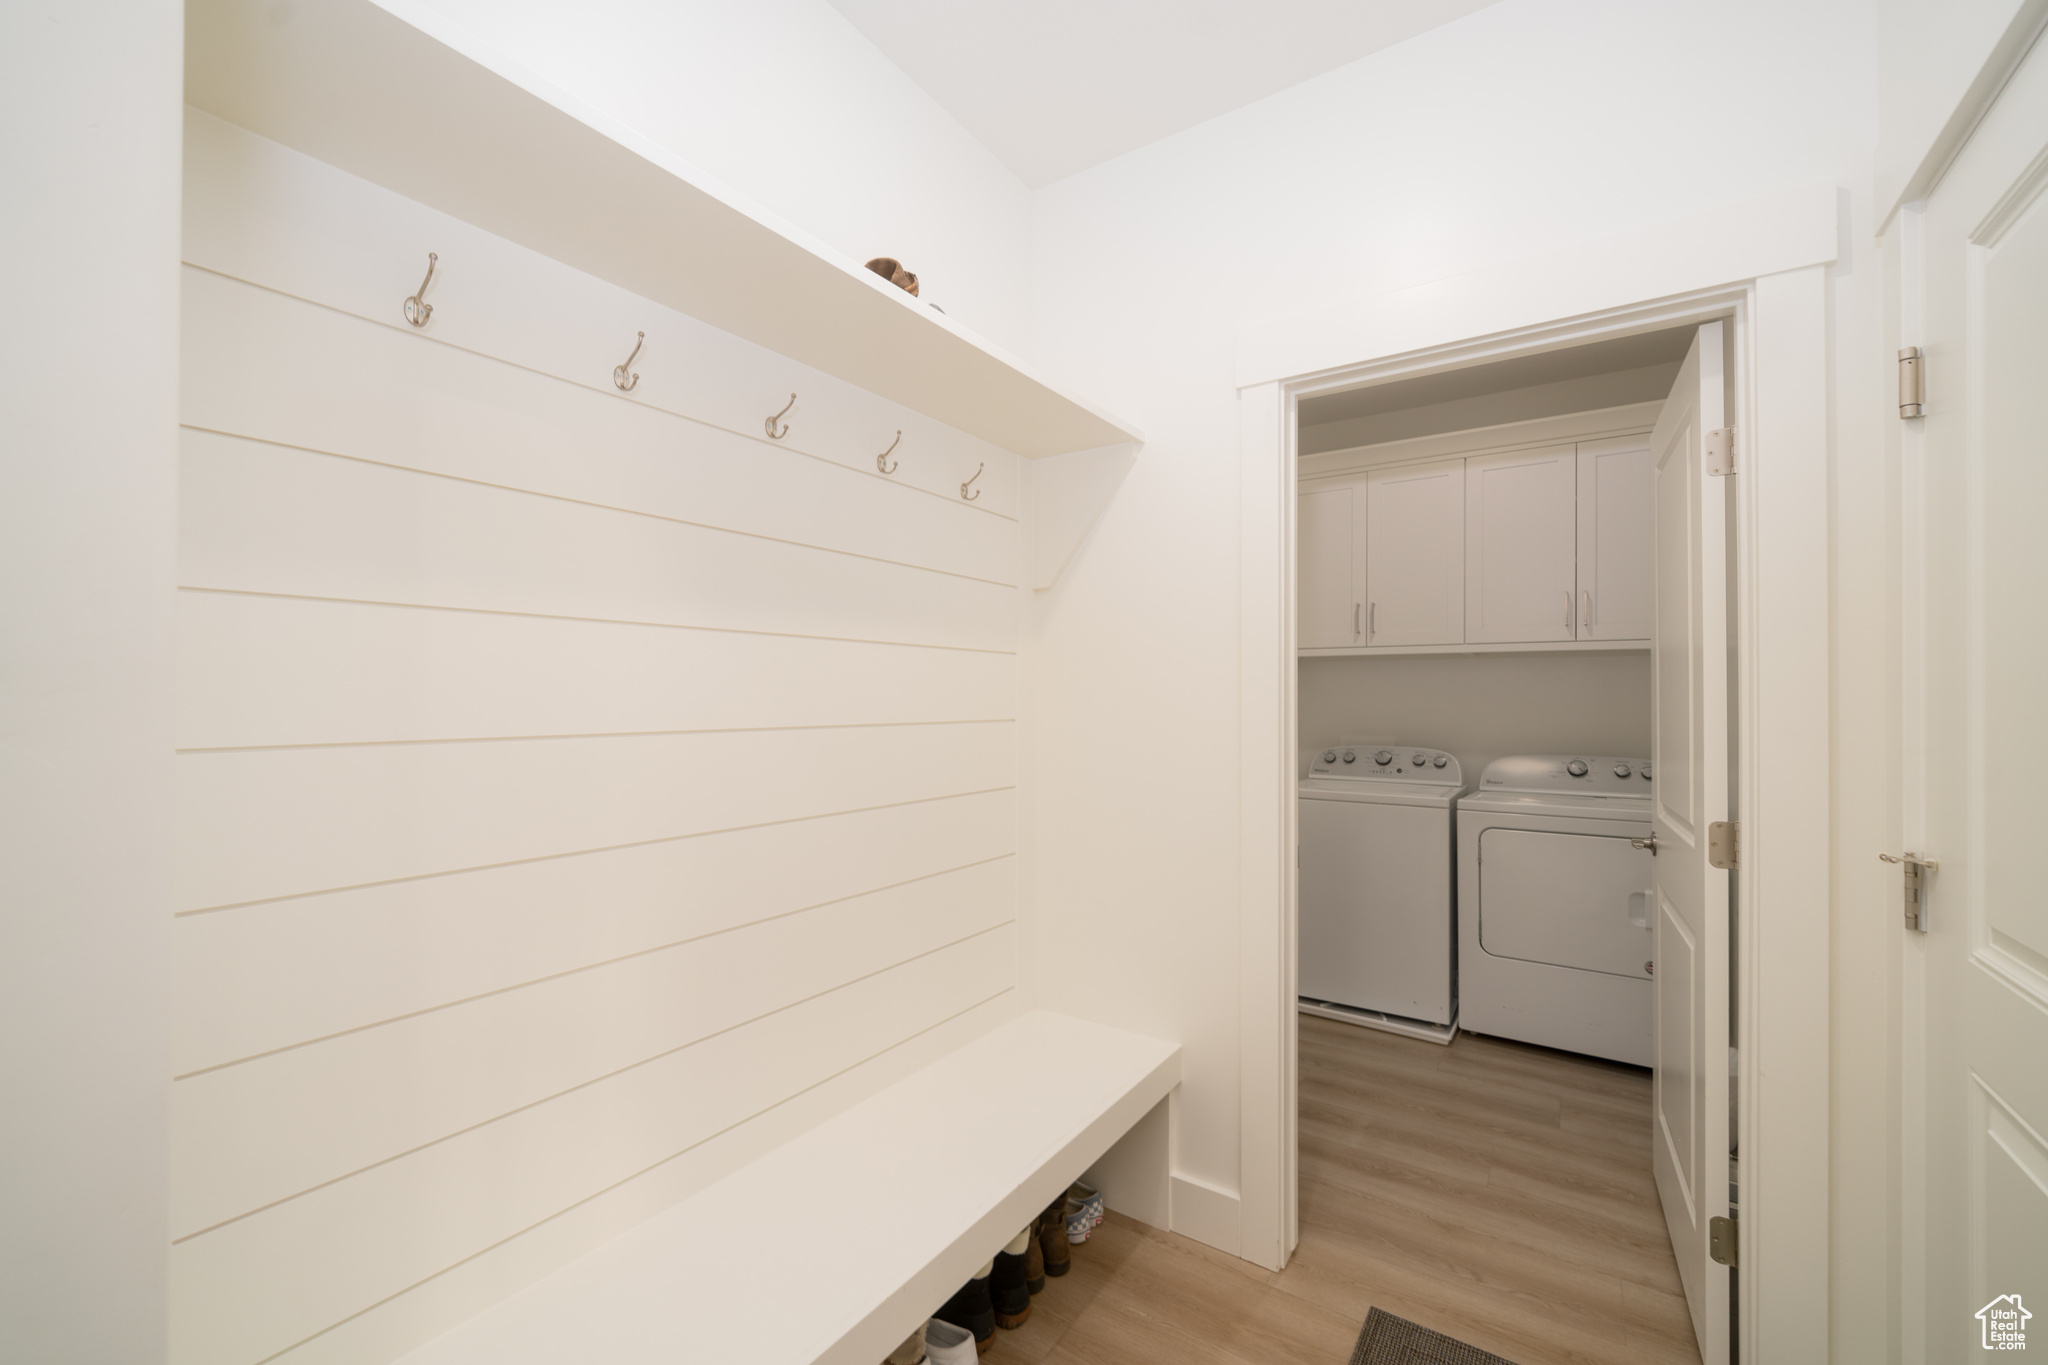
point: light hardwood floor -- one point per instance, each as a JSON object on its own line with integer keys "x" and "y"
{"x": 1495, "y": 1192}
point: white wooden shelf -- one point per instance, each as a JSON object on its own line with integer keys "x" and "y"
{"x": 833, "y": 1247}
{"x": 1538, "y": 647}
{"x": 398, "y": 95}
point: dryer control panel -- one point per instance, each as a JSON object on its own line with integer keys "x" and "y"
{"x": 1387, "y": 762}
{"x": 1585, "y": 774}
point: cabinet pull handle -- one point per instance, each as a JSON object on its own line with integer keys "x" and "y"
{"x": 1354, "y": 620}
{"x": 1372, "y": 614}
{"x": 1586, "y": 616}
{"x": 1567, "y": 608}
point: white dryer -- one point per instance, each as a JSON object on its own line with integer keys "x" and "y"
{"x": 1378, "y": 924}
{"x": 1554, "y": 904}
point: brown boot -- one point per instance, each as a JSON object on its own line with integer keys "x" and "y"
{"x": 1006, "y": 1284}
{"x": 1052, "y": 1238}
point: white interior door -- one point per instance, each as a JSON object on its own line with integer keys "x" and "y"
{"x": 1616, "y": 535}
{"x": 1689, "y": 745}
{"x": 1414, "y": 534}
{"x": 1975, "y": 656}
{"x": 1329, "y": 611}
{"x": 1520, "y": 534}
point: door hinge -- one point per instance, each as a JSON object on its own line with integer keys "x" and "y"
{"x": 1721, "y": 451}
{"x": 1915, "y": 868}
{"x": 1912, "y": 382}
{"x": 1724, "y": 845}
{"x": 1721, "y": 1240}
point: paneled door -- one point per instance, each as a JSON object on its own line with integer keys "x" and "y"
{"x": 1974, "y": 655}
{"x": 1689, "y": 744}
{"x": 1414, "y": 532}
{"x": 1520, "y": 542}
{"x": 1617, "y": 529}
{"x": 1328, "y": 607}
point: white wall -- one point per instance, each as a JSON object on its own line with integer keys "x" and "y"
{"x": 1527, "y": 126}
{"x": 576, "y": 794}
{"x": 1480, "y": 706}
{"x": 89, "y": 107}
{"x": 788, "y": 104}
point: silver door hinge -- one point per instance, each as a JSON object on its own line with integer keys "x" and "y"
{"x": 1721, "y": 451}
{"x": 1721, "y": 1240}
{"x": 1724, "y": 845}
{"x": 1912, "y": 382}
{"x": 1914, "y": 903}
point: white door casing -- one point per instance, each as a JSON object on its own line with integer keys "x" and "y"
{"x": 1616, "y": 539}
{"x": 1329, "y": 611}
{"x": 1413, "y": 529}
{"x": 1974, "y": 654}
{"x": 1689, "y": 746}
{"x": 1520, "y": 543}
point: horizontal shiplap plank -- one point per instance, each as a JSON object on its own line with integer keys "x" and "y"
{"x": 259, "y": 670}
{"x": 247, "y": 1136}
{"x": 265, "y": 213}
{"x": 255, "y": 1287}
{"x": 265, "y": 365}
{"x": 276, "y": 975}
{"x": 253, "y": 824}
{"x": 258, "y": 517}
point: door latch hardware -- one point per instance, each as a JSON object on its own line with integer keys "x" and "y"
{"x": 1915, "y": 868}
{"x": 1649, "y": 843}
{"x": 1721, "y": 1240}
{"x": 1724, "y": 838}
{"x": 1912, "y": 382}
{"x": 1721, "y": 451}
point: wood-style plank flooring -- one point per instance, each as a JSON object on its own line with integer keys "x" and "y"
{"x": 1498, "y": 1193}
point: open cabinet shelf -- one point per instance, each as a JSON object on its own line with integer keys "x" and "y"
{"x": 396, "y": 94}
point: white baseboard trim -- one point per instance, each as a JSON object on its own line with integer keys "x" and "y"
{"x": 1209, "y": 1215}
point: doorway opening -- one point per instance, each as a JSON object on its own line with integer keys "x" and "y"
{"x": 1516, "y": 745}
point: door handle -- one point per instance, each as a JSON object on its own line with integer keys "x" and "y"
{"x": 1639, "y": 909}
{"x": 1650, "y": 844}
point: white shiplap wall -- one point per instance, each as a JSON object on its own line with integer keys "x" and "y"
{"x": 578, "y": 792}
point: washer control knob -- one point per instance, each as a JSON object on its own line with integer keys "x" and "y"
{"x": 1329, "y": 755}
{"x": 1351, "y": 756}
{"x": 1577, "y": 767}
{"x": 1383, "y": 757}
{"x": 1646, "y": 772}
{"x": 1443, "y": 761}
{"x": 1421, "y": 759}
{"x": 1621, "y": 770}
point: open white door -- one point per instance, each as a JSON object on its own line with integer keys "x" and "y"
{"x": 1974, "y": 656}
{"x": 1689, "y": 747}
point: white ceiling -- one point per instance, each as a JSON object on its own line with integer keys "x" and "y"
{"x": 1056, "y": 86}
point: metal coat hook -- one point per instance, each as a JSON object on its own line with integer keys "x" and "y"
{"x": 773, "y": 434}
{"x": 879, "y": 459}
{"x": 417, "y": 309}
{"x": 620, "y": 375}
{"x": 965, "y": 486}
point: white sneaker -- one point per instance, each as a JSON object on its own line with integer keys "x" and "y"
{"x": 946, "y": 1344}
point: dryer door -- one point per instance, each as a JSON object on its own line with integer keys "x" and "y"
{"x": 1570, "y": 900}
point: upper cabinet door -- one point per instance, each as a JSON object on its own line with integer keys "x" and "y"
{"x": 1617, "y": 537}
{"x": 1414, "y": 530}
{"x": 1519, "y": 546}
{"x": 1329, "y": 612}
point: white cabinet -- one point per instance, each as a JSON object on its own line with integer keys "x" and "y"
{"x": 1414, "y": 533}
{"x": 1520, "y": 546}
{"x": 1329, "y": 610}
{"x": 1616, "y": 539}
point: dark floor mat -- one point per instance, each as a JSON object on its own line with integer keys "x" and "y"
{"x": 1388, "y": 1340}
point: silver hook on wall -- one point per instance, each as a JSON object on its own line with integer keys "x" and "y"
{"x": 773, "y": 434}
{"x": 970, "y": 497}
{"x": 417, "y": 309}
{"x": 619, "y": 373}
{"x": 881, "y": 458}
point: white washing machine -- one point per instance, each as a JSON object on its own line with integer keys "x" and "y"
{"x": 1554, "y": 904}
{"x": 1377, "y": 927}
